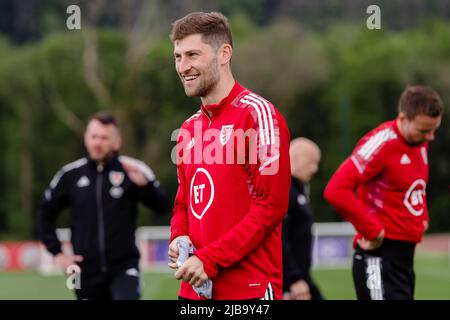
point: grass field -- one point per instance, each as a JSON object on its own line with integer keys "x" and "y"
{"x": 432, "y": 282}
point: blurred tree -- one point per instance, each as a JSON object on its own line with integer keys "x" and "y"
{"x": 280, "y": 61}
{"x": 18, "y": 20}
{"x": 332, "y": 87}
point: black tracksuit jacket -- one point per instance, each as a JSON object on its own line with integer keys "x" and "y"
{"x": 104, "y": 203}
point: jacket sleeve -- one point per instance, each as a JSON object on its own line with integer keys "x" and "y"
{"x": 342, "y": 187}
{"x": 54, "y": 200}
{"x": 291, "y": 270}
{"x": 153, "y": 195}
{"x": 179, "y": 222}
{"x": 270, "y": 177}
{"x": 426, "y": 217}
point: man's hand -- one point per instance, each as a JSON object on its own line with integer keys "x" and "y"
{"x": 287, "y": 295}
{"x": 134, "y": 173}
{"x": 192, "y": 271}
{"x": 371, "y": 244}
{"x": 299, "y": 290}
{"x": 425, "y": 225}
{"x": 173, "y": 251}
{"x": 65, "y": 262}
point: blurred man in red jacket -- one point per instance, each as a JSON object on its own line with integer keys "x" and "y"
{"x": 381, "y": 190}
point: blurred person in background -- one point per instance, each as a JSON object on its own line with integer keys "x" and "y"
{"x": 381, "y": 190}
{"x": 103, "y": 191}
{"x": 297, "y": 237}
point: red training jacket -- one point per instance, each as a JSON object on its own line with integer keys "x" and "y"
{"x": 234, "y": 178}
{"x": 390, "y": 178}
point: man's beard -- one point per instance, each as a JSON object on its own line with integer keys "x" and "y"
{"x": 208, "y": 84}
{"x": 105, "y": 158}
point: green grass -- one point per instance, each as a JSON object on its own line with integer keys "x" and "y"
{"x": 432, "y": 282}
{"x": 433, "y": 277}
{"x": 31, "y": 285}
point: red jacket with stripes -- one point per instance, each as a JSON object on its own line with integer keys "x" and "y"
{"x": 382, "y": 185}
{"x": 234, "y": 177}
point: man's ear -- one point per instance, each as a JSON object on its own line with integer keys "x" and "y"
{"x": 85, "y": 137}
{"x": 402, "y": 117}
{"x": 226, "y": 51}
{"x": 118, "y": 143}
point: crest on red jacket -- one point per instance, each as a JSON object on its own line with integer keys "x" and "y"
{"x": 225, "y": 134}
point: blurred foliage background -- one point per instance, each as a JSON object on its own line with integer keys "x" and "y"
{"x": 331, "y": 77}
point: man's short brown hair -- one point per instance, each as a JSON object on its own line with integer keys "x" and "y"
{"x": 417, "y": 100}
{"x": 213, "y": 26}
{"x": 105, "y": 118}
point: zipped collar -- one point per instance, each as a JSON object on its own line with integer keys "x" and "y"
{"x": 216, "y": 109}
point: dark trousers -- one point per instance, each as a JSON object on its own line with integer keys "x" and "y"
{"x": 120, "y": 285}
{"x": 385, "y": 273}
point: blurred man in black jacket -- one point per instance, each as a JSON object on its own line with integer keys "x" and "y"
{"x": 297, "y": 237}
{"x": 103, "y": 191}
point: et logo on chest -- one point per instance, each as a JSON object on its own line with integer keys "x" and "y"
{"x": 201, "y": 193}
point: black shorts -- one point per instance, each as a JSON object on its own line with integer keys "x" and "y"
{"x": 120, "y": 285}
{"x": 386, "y": 273}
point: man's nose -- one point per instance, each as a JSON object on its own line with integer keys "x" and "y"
{"x": 183, "y": 66}
{"x": 97, "y": 142}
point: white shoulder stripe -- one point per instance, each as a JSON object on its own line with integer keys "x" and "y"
{"x": 260, "y": 122}
{"x": 195, "y": 115}
{"x": 265, "y": 117}
{"x": 148, "y": 173}
{"x": 76, "y": 164}
{"x": 369, "y": 147}
{"x": 68, "y": 167}
{"x": 269, "y": 115}
{"x": 357, "y": 165}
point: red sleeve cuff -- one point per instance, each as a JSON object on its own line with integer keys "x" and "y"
{"x": 209, "y": 266}
{"x": 373, "y": 232}
{"x": 175, "y": 234}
